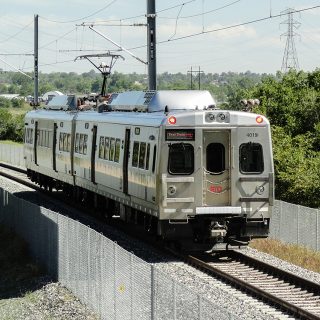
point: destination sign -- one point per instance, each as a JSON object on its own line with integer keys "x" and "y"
{"x": 180, "y": 134}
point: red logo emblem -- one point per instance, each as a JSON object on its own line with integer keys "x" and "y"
{"x": 216, "y": 189}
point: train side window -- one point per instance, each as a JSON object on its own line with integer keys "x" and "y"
{"x": 65, "y": 142}
{"x": 181, "y": 158}
{"x": 60, "y": 141}
{"x": 85, "y": 139}
{"x": 142, "y": 155}
{"x": 68, "y": 142}
{"x": 251, "y": 158}
{"x": 216, "y": 158}
{"x": 101, "y": 148}
{"x": 39, "y": 137}
{"x": 28, "y": 136}
{"x": 76, "y": 147}
{"x": 135, "y": 154}
{"x": 81, "y": 143}
{"x": 47, "y": 139}
{"x": 111, "y": 151}
{"x": 117, "y": 151}
{"x": 154, "y": 158}
{"x": 107, "y": 147}
{"x": 148, "y": 156}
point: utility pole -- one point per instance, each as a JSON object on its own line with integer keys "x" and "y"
{"x": 36, "y": 62}
{"x": 290, "y": 58}
{"x": 152, "y": 67}
{"x": 197, "y": 72}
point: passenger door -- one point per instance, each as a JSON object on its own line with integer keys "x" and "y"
{"x": 126, "y": 160}
{"x": 93, "y": 154}
{"x": 216, "y": 168}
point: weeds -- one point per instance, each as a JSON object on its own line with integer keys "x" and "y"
{"x": 295, "y": 254}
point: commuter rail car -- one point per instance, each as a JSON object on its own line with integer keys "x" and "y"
{"x": 169, "y": 160}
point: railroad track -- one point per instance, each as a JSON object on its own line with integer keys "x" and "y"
{"x": 293, "y": 295}
{"x": 17, "y": 174}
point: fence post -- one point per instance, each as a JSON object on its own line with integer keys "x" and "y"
{"x": 317, "y": 230}
{"x": 115, "y": 279}
{"x": 153, "y": 304}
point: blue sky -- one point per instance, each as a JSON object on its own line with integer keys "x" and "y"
{"x": 257, "y": 47}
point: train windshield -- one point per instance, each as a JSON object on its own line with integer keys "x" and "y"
{"x": 251, "y": 158}
{"x": 181, "y": 158}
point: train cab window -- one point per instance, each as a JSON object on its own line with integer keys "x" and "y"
{"x": 251, "y": 158}
{"x": 117, "y": 151}
{"x": 181, "y": 158}
{"x": 215, "y": 156}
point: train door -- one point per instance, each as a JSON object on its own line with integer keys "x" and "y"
{"x": 126, "y": 160}
{"x": 35, "y": 146}
{"x": 93, "y": 154}
{"x": 54, "y": 147}
{"x": 216, "y": 168}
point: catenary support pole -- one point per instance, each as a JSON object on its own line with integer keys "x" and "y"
{"x": 36, "y": 70}
{"x": 152, "y": 67}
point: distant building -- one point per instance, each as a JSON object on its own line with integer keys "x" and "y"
{"x": 10, "y": 96}
{"x": 50, "y": 94}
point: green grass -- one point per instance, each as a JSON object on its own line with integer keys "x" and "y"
{"x": 10, "y": 142}
{"x": 295, "y": 254}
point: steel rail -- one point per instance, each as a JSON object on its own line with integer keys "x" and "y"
{"x": 257, "y": 292}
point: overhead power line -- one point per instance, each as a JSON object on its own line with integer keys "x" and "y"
{"x": 17, "y": 33}
{"x": 192, "y": 35}
{"x": 203, "y": 13}
{"x": 80, "y": 19}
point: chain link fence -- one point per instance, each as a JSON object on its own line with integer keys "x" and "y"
{"x": 113, "y": 282}
{"x": 13, "y": 154}
{"x": 296, "y": 224}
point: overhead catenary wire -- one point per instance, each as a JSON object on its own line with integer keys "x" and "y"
{"x": 202, "y": 13}
{"x": 80, "y": 19}
{"x": 17, "y": 33}
{"x": 192, "y": 35}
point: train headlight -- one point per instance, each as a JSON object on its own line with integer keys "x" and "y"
{"x": 259, "y": 119}
{"x": 172, "y": 120}
{"x": 172, "y": 190}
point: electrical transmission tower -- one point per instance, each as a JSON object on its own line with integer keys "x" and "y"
{"x": 290, "y": 58}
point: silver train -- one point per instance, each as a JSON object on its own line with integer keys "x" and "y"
{"x": 168, "y": 160}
